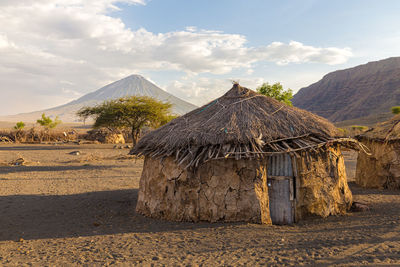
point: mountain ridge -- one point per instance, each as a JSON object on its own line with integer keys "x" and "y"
{"x": 360, "y": 91}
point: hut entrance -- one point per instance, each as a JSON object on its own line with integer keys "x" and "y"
{"x": 281, "y": 189}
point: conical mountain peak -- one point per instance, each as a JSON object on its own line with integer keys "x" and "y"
{"x": 132, "y": 85}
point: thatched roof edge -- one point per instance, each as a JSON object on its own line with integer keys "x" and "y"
{"x": 388, "y": 131}
{"x": 240, "y": 124}
{"x": 193, "y": 158}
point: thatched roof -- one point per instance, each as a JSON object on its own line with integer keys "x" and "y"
{"x": 240, "y": 124}
{"x": 386, "y": 131}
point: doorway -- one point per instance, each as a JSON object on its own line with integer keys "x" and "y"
{"x": 280, "y": 180}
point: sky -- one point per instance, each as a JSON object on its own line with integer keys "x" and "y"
{"x": 54, "y": 51}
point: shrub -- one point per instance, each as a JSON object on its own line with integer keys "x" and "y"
{"x": 47, "y": 122}
{"x": 359, "y": 128}
{"x": 396, "y": 110}
{"x": 276, "y": 91}
{"x": 19, "y": 126}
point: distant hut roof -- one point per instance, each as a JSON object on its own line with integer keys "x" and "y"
{"x": 385, "y": 131}
{"x": 240, "y": 124}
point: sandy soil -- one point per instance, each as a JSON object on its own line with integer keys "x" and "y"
{"x": 64, "y": 209}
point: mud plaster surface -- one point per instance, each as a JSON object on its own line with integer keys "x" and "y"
{"x": 322, "y": 184}
{"x": 382, "y": 168}
{"x": 222, "y": 190}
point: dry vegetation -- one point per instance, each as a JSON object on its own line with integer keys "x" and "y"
{"x": 61, "y": 208}
{"x": 37, "y": 135}
{"x": 42, "y": 135}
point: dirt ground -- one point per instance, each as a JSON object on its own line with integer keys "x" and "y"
{"x": 63, "y": 209}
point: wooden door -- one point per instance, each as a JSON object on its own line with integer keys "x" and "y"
{"x": 281, "y": 189}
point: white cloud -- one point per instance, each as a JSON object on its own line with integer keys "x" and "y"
{"x": 200, "y": 90}
{"x": 78, "y": 41}
{"x": 4, "y": 43}
{"x": 191, "y": 28}
{"x": 67, "y": 82}
{"x": 94, "y": 5}
{"x": 296, "y": 52}
{"x": 73, "y": 94}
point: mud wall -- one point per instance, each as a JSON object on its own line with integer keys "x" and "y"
{"x": 106, "y": 136}
{"x": 321, "y": 184}
{"x": 381, "y": 169}
{"x": 221, "y": 190}
{"x": 236, "y": 190}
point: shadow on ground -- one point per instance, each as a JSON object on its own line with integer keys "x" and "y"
{"x": 358, "y": 190}
{"x": 95, "y": 213}
{"x": 50, "y": 147}
{"x": 16, "y": 169}
{"x": 64, "y": 178}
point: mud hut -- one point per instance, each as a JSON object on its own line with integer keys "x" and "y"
{"x": 243, "y": 157}
{"x": 381, "y": 169}
{"x": 106, "y": 136}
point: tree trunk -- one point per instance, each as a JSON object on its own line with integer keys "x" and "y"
{"x": 18, "y": 134}
{"x": 135, "y": 136}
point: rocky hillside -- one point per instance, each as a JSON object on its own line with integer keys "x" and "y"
{"x": 362, "y": 91}
{"x": 134, "y": 85}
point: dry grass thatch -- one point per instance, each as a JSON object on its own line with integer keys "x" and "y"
{"x": 240, "y": 124}
{"x": 386, "y": 131}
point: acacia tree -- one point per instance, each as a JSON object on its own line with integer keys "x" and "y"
{"x": 276, "y": 91}
{"x": 48, "y": 123}
{"x": 130, "y": 112}
{"x": 18, "y": 130}
{"x": 19, "y": 126}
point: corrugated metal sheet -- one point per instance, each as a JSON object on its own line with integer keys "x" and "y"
{"x": 281, "y": 189}
{"x": 280, "y": 165}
